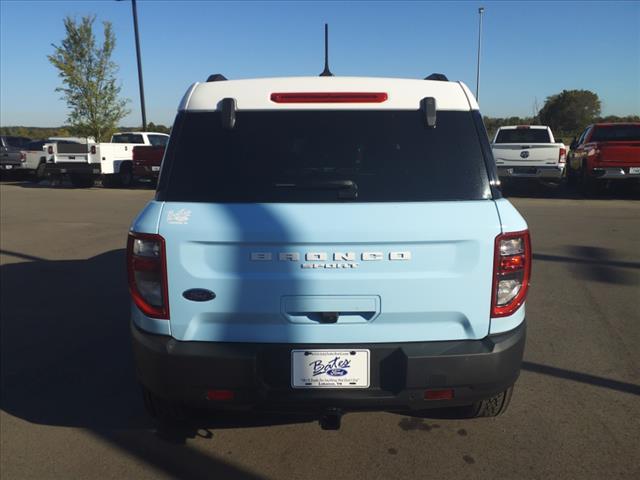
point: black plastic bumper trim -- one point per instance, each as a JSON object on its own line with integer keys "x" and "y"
{"x": 259, "y": 374}
{"x": 80, "y": 168}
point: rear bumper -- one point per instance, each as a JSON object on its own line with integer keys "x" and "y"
{"x": 11, "y": 165}
{"x": 551, "y": 172}
{"x": 73, "y": 168}
{"x": 614, "y": 173}
{"x": 146, "y": 171}
{"x": 260, "y": 374}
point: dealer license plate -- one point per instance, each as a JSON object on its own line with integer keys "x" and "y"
{"x": 8, "y": 167}
{"x": 634, "y": 170}
{"x": 330, "y": 368}
{"x": 155, "y": 169}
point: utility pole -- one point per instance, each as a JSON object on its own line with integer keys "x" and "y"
{"x": 480, "y": 13}
{"x": 135, "y": 28}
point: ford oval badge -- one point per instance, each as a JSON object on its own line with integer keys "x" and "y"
{"x": 337, "y": 372}
{"x": 198, "y": 295}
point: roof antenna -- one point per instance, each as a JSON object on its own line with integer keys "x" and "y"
{"x": 326, "y": 72}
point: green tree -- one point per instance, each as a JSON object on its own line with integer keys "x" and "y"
{"x": 570, "y": 110}
{"x": 88, "y": 78}
{"x": 152, "y": 127}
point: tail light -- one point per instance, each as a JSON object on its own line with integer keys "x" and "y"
{"x": 562, "y": 156}
{"x": 443, "y": 394}
{"x": 220, "y": 395}
{"x": 147, "y": 268}
{"x": 93, "y": 150}
{"x": 50, "y": 150}
{"x": 511, "y": 272}
{"x": 23, "y": 157}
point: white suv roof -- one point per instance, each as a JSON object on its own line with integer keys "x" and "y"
{"x": 255, "y": 94}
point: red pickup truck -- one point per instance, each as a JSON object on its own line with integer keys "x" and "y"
{"x": 604, "y": 152}
{"x": 147, "y": 161}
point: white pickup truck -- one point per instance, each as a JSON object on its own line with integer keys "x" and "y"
{"x": 529, "y": 151}
{"x": 113, "y": 161}
{"x": 116, "y": 158}
{"x": 38, "y": 153}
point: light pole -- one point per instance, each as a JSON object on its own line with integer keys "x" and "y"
{"x": 140, "y": 82}
{"x": 480, "y": 12}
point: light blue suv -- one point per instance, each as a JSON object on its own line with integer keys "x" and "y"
{"x": 328, "y": 244}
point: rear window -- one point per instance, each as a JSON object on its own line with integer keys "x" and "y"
{"x": 523, "y": 135}
{"x": 16, "y": 142}
{"x": 127, "y": 138}
{"x": 158, "y": 140}
{"x": 616, "y": 133}
{"x": 324, "y": 156}
{"x": 37, "y": 145}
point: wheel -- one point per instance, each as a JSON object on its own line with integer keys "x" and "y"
{"x": 588, "y": 184}
{"x": 80, "y": 180}
{"x": 163, "y": 410}
{"x": 572, "y": 179}
{"x": 111, "y": 181}
{"x": 492, "y": 407}
{"x": 40, "y": 172}
{"x": 126, "y": 174}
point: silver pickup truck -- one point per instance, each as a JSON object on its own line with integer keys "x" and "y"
{"x": 529, "y": 151}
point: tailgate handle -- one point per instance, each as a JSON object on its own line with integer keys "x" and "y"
{"x": 325, "y": 309}
{"x": 329, "y": 317}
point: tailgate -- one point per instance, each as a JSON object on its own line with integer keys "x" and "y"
{"x": 71, "y": 153}
{"x": 627, "y": 153}
{"x": 392, "y": 272}
{"x": 526, "y": 155}
{"x": 147, "y": 156}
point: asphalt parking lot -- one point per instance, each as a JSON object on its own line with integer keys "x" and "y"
{"x": 70, "y": 406}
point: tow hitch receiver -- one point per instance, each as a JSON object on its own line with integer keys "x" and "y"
{"x": 331, "y": 419}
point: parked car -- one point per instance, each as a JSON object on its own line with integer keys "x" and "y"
{"x": 147, "y": 160}
{"x": 605, "y": 152}
{"x": 529, "y": 152}
{"x": 110, "y": 161}
{"x": 11, "y": 156}
{"x": 318, "y": 244}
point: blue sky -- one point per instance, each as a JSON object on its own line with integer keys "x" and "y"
{"x": 530, "y": 49}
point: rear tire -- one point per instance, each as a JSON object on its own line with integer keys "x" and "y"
{"x": 41, "y": 171}
{"x": 126, "y": 174}
{"x": 79, "y": 180}
{"x": 111, "y": 181}
{"x": 572, "y": 179}
{"x": 492, "y": 407}
{"x": 588, "y": 185}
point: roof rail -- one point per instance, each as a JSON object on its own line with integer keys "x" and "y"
{"x": 216, "y": 77}
{"x": 441, "y": 77}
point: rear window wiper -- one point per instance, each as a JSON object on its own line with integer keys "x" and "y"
{"x": 346, "y": 188}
